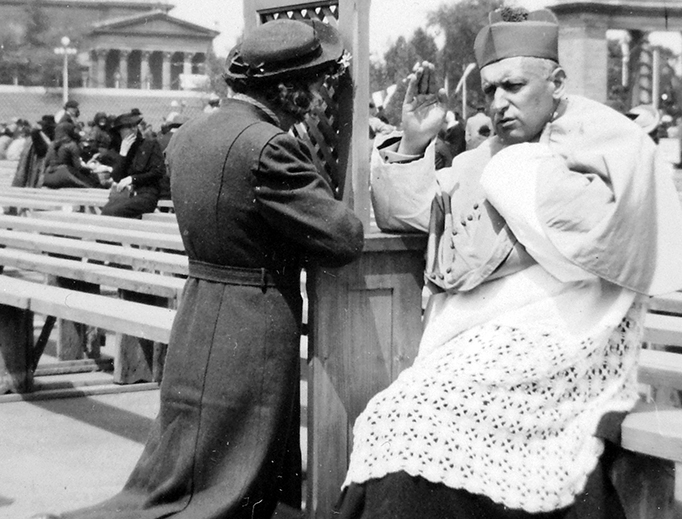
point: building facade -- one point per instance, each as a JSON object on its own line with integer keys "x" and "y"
{"x": 124, "y": 43}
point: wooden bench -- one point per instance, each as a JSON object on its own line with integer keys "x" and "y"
{"x": 652, "y": 429}
{"x": 102, "y": 233}
{"x": 79, "y": 199}
{"x": 20, "y": 299}
{"x": 63, "y": 253}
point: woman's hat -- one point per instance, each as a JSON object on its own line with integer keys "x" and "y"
{"x": 285, "y": 48}
{"x": 128, "y": 119}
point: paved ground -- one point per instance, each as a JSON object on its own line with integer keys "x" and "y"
{"x": 61, "y": 454}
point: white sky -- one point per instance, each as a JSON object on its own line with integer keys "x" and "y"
{"x": 388, "y": 20}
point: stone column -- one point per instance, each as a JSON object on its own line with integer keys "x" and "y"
{"x": 583, "y": 53}
{"x": 123, "y": 67}
{"x": 145, "y": 72}
{"x": 187, "y": 63}
{"x": 166, "y": 71}
{"x": 101, "y": 79}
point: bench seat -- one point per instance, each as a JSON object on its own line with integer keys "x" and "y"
{"x": 153, "y": 240}
{"x": 171, "y": 263}
{"x": 135, "y": 281}
{"x": 137, "y": 319}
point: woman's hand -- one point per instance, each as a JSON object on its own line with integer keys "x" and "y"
{"x": 127, "y": 143}
{"x": 126, "y": 182}
{"x": 424, "y": 110}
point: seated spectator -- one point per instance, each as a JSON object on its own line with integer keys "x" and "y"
{"x": 98, "y": 139}
{"x": 31, "y": 165}
{"x": 137, "y": 168}
{"x": 16, "y": 146}
{"x": 5, "y": 138}
{"x": 64, "y": 166}
{"x": 478, "y": 128}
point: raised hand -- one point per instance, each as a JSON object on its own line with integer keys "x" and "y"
{"x": 424, "y": 110}
{"x": 127, "y": 143}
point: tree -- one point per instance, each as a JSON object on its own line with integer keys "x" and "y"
{"x": 27, "y": 54}
{"x": 460, "y": 23}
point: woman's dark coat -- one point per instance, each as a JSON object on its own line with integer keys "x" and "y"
{"x": 251, "y": 208}
{"x": 144, "y": 162}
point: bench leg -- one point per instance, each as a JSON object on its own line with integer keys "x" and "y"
{"x": 16, "y": 350}
{"x": 139, "y": 360}
{"x": 678, "y": 491}
{"x": 75, "y": 339}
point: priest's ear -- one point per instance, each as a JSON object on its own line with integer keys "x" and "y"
{"x": 558, "y": 78}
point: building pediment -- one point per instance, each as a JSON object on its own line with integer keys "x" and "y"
{"x": 152, "y": 24}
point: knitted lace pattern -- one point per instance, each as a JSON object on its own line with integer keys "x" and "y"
{"x": 505, "y": 412}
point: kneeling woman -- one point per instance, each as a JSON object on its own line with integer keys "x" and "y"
{"x": 137, "y": 168}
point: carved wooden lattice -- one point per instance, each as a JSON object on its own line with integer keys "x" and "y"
{"x": 321, "y": 130}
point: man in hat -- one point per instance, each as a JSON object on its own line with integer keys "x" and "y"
{"x": 544, "y": 242}
{"x": 251, "y": 207}
{"x": 70, "y": 113}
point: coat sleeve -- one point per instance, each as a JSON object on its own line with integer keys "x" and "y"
{"x": 402, "y": 193}
{"x": 295, "y": 199}
{"x": 148, "y": 165}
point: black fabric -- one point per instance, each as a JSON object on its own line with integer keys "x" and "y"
{"x": 144, "y": 163}
{"x": 401, "y": 496}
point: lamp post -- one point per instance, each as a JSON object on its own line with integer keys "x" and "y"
{"x": 463, "y": 86}
{"x": 65, "y": 50}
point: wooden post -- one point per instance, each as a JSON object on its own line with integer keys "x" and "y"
{"x": 16, "y": 345}
{"x": 365, "y": 327}
{"x": 139, "y": 360}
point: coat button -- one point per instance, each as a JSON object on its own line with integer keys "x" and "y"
{"x": 470, "y": 217}
{"x": 475, "y": 206}
{"x": 449, "y": 270}
{"x": 464, "y": 223}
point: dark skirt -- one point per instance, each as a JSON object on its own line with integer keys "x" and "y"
{"x": 129, "y": 204}
{"x": 61, "y": 176}
{"x": 401, "y": 496}
{"x": 226, "y": 441}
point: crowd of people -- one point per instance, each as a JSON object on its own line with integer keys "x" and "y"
{"x": 121, "y": 152}
{"x": 544, "y": 242}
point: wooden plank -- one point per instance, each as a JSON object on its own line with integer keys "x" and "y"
{"x": 663, "y": 329}
{"x": 83, "y": 196}
{"x": 31, "y": 203}
{"x": 137, "y": 319}
{"x": 160, "y": 217}
{"x": 94, "y": 232}
{"x": 660, "y": 368}
{"x": 137, "y": 258}
{"x": 133, "y": 224}
{"x": 136, "y": 281}
{"x": 671, "y": 303}
{"x": 655, "y": 432}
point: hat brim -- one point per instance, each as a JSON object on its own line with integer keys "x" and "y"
{"x": 332, "y": 50}
{"x": 133, "y": 121}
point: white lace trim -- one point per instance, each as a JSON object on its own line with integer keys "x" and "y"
{"x": 505, "y": 412}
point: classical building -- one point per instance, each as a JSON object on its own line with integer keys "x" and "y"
{"x": 124, "y": 43}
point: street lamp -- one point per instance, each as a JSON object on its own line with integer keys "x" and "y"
{"x": 65, "y": 50}
{"x": 463, "y": 86}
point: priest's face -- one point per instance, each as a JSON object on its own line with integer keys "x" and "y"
{"x": 522, "y": 95}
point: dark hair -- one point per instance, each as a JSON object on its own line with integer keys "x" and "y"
{"x": 293, "y": 96}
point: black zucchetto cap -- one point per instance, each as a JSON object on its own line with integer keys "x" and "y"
{"x": 283, "y": 49}
{"x": 532, "y": 34}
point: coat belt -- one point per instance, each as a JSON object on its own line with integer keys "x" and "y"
{"x": 253, "y": 277}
